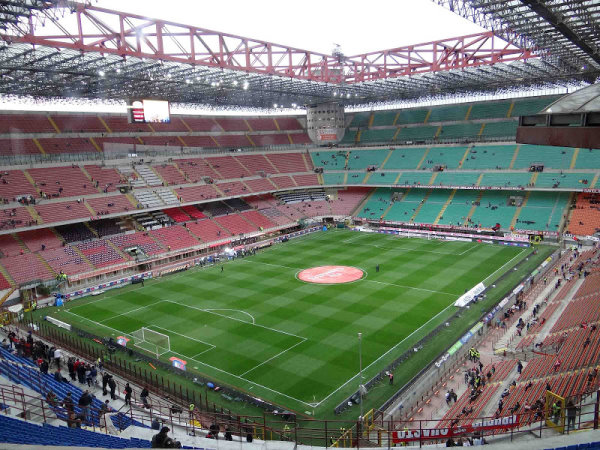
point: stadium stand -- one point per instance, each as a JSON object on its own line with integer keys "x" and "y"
{"x": 67, "y": 260}
{"x": 235, "y": 224}
{"x": 174, "y": 238}
{"x": 14, "y": 184}
{"x": 585, "y": 218}
{"x": 35, "y": 239}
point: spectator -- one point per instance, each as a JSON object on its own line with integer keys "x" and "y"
{"x": 84, "y": 403}
{"x": 51, "y": 399}
{"x": 571, "y": 415}
{"x": 144, "y": 397}
{"x": 57, "y": 356}
{"x": 59, "y": 378}
{"x": 113, "y": 386}
{"x": 68, "y": 403}
{"x": 162, "y": 439}
{"x": 128, "y": 391}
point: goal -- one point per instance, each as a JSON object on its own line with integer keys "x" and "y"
{"x": 151, "y": 341}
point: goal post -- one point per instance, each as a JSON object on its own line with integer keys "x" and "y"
{"x": 151, "y": 341}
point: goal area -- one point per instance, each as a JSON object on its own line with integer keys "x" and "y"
{"x": 151, "y": 341}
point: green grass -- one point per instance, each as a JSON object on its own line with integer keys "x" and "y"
{"x": 257, "y": 327}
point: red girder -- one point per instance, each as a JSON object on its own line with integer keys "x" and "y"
{"x": 105, "y": 31}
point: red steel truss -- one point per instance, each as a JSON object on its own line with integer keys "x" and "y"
{"x": 93, "y": 29}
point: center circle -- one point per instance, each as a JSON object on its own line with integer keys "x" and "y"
{"x": 330, "y": 274}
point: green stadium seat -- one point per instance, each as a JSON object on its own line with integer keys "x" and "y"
{"x": 362, "y": 159}
{"x": 334, "y": 178}
{"x": 532, "y": 105}
{"x": 408, "y": 116}
{"x": 420, "y": 133}
{"x": 581, "y": 180}
{"x": 360, "y": 120}
{"x": 458, "y": 209}
{"x": 432, "y": 207}
{"x": 506, "y": 179}
{"x": 493, "y": 209}
{"x": 543, "y": 211}
{"x": 456, "y": 179}
{"x": 403, "y": 210}
{"x": 448, "y": 113}
{"x": 445, "y": 156}
{"x": 465, "y": 130}
{"x": 551, "y": 157}
{"x": 504, "y": 129}
{"x": 490, "y": 110}
{"x": 349, "y": 137}
{"x": 377, "y": 204}
{"x": 489, "y": 157}
{"x": 382, "y": 177}
{"x": 329, "y": 160}
{"x": 405, "y": 158}
{"x": 588, "y": 159}
{"x": 384, "y": 118}
{"x": 414, "y": 178}
{"x": 384, "y": 135}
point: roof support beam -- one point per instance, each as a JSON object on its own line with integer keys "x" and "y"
{"x": 563, "y": 28}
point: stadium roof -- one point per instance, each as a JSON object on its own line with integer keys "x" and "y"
{"x": 67, "y": 49}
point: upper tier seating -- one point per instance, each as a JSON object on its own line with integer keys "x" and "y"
{"x": 265, "y": 140}
{"x": 456, "y": 179}
{"x": 176, "y": 124}
{"x": 232, "y": 188}
{"x": 106, "y": 178}
{"x": 207, "y": 230}
{"x": 448, "y": 113}
{"x": 13, "y": 183}
{"x": 196, "y": 168}
{"x": 34, "y": 239}
{"x": 255, "y": 164}
{"x": 578, "y": 180}
{"x": 228, "y": 167}
{"x": 283, "y": 182}
{"x": 78, "y": 123}
{"x": 587, "y": 159}
{"x": 489, "y": 157}
{"x": 405, "y": 158}
{"x": 67, "y": 260}
{"x": 9, "y": 246}
{"x": 121, "y": 124}
{"x": 448, "y": 157}
{"x": 378, "y": 135}
{"x": 14, "y": 146}
{"x": 460, "y": 131}
{"x": 197, "y": 193}
{"x": 164, "y": 141}
{"x": 58, "y": 212}
{"x": 62, "y": 181}
{"x": 15, "y": 217}
{"x": 25, "y": 123}
{"x": 25, "y": 268}
{"x": 288, "y": 123}
{"x": 232, "y": 140}
{"x": 300, "y": 138}
{"x": 259, "y": 185}
{"x": 551, "y": 157}
{"x": 262, "y": 124}
{"x": 490, "y": 110}
{"x": 232, "y": 124}
{"x": 170, "y": 174}
{"x": 532, "y": 105}
{"x": 306, "y": 180}
{"x": 199, "y": 141}
{"x": 290, "y": 162}
{"x": 335, "y": 178}
{"x": 235, "y": 224}
{"x": 420, "y": 133}
{"x": 110, "y": 205}
{"x": 367, "y": 158}
{"x": 585, "y": 219}
{"x": 67, "y": 145}
{"x": 174, "y": 238}
{"x": 196, "y": 123}
{"x": 515, "y": 179}
{"x": 329, "y": 160}
{"x": 504, "y": 129}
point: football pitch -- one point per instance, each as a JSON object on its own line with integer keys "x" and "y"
{"x": 251, "y": 323}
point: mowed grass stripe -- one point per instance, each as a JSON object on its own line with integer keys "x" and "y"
{"x": 329, "y": 317}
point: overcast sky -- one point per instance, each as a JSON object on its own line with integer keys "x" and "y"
{"x": 358, "y": 26}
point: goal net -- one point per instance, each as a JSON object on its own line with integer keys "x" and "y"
{"x": 151, "y": 341}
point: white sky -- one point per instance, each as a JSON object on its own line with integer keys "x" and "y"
{"x": 359, "y": 26}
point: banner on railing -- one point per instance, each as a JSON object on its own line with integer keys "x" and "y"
{"x": 178, "y": 363}
{"x": 469, "y": 296}
{"x": 430, "y": 434}
{"x": 107, "y": 285}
